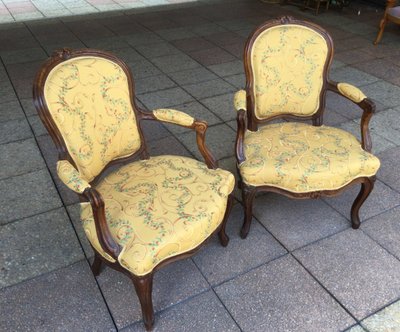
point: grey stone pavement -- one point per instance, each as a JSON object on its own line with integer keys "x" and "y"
{"x": 302, "y": 267}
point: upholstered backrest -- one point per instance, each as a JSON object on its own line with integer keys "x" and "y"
{"x": 287, "y": 64}
{"x": 89, "y": 100}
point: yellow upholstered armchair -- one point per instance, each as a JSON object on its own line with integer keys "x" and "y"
{"x": 148, "y": 212}
{"x": 286, "y": 64}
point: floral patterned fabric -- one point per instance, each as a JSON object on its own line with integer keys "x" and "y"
{"x": 173, "y": 116}
{"x": 302, "y": 158}
{"x": 239, "y": 100}
{"x": 287, "y": 63}
{"x": 70, "y": 177}
{"x": 89, "y": 100}
{"x": 351, "y": 92}
{"x": 159, "y": 208}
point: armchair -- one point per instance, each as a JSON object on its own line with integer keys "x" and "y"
{"x": 286, "y": 64}
{"x": 148, "y": 212}
{"x": 392, "y": 13}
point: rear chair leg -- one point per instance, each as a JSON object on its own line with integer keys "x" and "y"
{"x": 247, "y": 197}
{"x": 223, "y": 238}
{"x": 96, "y": 265}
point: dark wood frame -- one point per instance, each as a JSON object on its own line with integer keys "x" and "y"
{"x": 386, "y": 17}
{"x": 142, "y": 284}
{"x": 247, "y": 120}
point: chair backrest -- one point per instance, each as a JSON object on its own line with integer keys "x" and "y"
{"x": 85, "y": 99}
{"x": 286, "y": 64}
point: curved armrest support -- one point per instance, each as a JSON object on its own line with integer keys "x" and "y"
{"x": 367, "y": 105}
{"x": 173, "y": 116}
{"x": 104, "y": 236}
{"x": 71, "y": 177}
{"x": 185, "y": 120}
{"x": 241, "y": 130}
{"x": 239, "y": 100}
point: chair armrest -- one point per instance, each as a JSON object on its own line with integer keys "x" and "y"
{"x": 71, "y": 177}
{"x": 239, "y": 100}
{"x": 185, "y": 120}
{"x": 173, "y": 116}
{"x": 240, "y": 104}
{"x": 367, "y": 105}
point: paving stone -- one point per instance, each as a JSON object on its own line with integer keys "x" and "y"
{"x": 153, "y": 83}
{"x": 192, "y": 76}
{"x": 157, "y": 49}
{"x": 175, "y": 33}
{"x": 362, "y": 280}
{"x": 14, "y": 130}
{"x": 207, "y": 29}
{"x": 209, "y": 88}
{"x": 127, "y": 54}
{"x": 169, "y": 146}
{"x": 384, "y": 229}
{"x": 26, "y": 195}
{"x": 165, "y": 98}
{"x": 199, "y": 112}
{"x": 172, "y": 284}
{"x": 296, "y": 223}
{"x": 212, "y": 56}
{"x": 384, "y": 92}
{"x": 382, "y": 198}
{"x": 380, "y": 68}
{"x": 354, "y": 56}
{"x": 239, "y": 81}
{"x": 14, "y": 157}
{"x": 67, "y": 299}
{"x": 106, "y": 43}
{"x": 353, "y": 76}
{"x": 7, "y": 92}
{"x": 36, "y": 245}
{"x": 192, "y": 44}
{"x": 356, "y": 328}
{"x": 50, "y": 155}
{"x": 220, "y": 139}
{"x": 202, "y": 313}
{"x": 37, "y": 125}
{"x": 222, "y": 106}
{"x": 379, "y": 143}
{"x": 175, "y": 62}
{"x": 238, "y": 257}
{"x": 11, "y": 111}
{"x": 154, "y": 130}
{"x": 282, "y": 296}
{"x": 385, "y": 320}
{"x": 388, "y": 173}
{"x": 143, "y": 68}
{"x": 228, "y": 68}
{"x": 74, "y": 214}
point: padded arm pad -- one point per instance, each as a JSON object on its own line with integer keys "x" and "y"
{"x": 173, "y": 116}
{"x": 351, "y": 92}
{"x": 239, "y": 100}
{"x": 71, "y": 177}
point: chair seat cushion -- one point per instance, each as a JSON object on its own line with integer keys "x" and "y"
{"x": 159, "y": 208}
{"x": 302, "y": 158}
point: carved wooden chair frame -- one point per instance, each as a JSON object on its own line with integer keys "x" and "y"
{"x": 142, "y": 284}
{"x": 388, "y": 16}
{"x": 246, "y": 120}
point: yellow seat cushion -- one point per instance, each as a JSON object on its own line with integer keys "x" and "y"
{"x": 159, "y": 208}
{"x": 302, "y": 158}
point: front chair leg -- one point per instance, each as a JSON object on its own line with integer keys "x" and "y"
{"x": 96, "y": 265}
{"x": 223, "y": 238}
{"x": 247, "y": 197}
{"x": 144, "y": 287}
{"x": 382, "y": 25}
{"x": 366, "y": 188}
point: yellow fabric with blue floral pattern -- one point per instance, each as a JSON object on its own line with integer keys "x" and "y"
{"x": 173, "y": 116}
{"x": 287, "y": 63}
{"x": 88, "y": 98}
{"x": 302, "y": 158}
{"x": 159, "y": 208}
{"x": 70, "y": 177}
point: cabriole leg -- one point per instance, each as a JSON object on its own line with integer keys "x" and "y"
{"x": 247, "y": 197}
{"x": 144, "y": 287}
{"x": 223, "y": 238}
{"x": 366, "y": 188}
{"x": 96, "y": 265}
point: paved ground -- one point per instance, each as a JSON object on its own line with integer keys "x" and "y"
{"x": 302, "y": 268}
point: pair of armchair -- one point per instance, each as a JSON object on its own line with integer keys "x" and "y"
{"x": 150, "y": 212}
